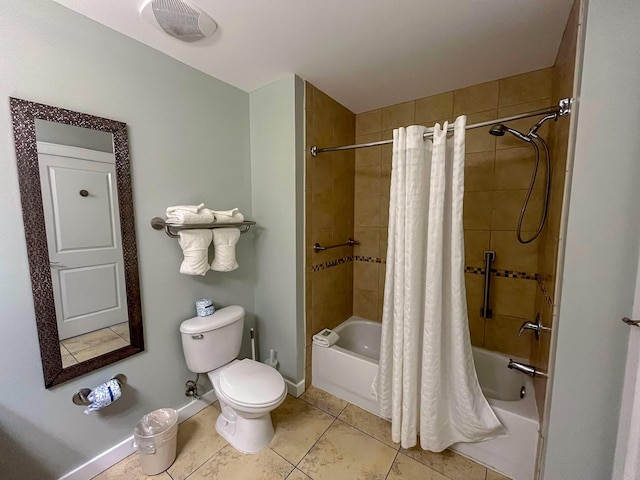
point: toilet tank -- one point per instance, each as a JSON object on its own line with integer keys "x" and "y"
{"x": 212, "y": 341}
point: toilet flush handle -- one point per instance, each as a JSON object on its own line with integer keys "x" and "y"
{"x": 197, "y": 337}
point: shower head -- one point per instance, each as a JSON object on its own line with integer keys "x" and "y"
{"x": 499, "y": 129}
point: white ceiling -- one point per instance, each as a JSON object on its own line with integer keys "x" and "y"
{"x": 364, "y": 53}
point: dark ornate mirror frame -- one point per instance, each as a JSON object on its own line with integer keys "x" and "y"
{"x": 24, "y": 114}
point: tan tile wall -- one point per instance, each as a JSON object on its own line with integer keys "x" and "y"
{"x": 329, "y": 214}
{"x": 497, "y": 175}
{"x": 562, "y": 87}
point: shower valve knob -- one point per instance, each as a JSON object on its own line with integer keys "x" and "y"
{"x": 536, "y": 326}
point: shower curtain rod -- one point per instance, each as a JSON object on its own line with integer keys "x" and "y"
{"x": 563, "y": 108}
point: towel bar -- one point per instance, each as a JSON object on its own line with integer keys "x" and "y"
{"x": 319, "y": 248}
{"x": 158, "y": 223}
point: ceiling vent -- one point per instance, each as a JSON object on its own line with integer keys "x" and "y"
{"x": 179, "y": 18}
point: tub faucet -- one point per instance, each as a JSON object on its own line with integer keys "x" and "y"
{"x": 537, "y": 327}
{"x": 524, "y": 368}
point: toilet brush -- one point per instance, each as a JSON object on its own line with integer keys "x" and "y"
{"x": 253, "y": 344}
{"x": 271, "y": 361}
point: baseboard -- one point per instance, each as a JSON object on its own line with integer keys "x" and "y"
{"x": 125, "y": 448}
{"x": 295, "y": 389}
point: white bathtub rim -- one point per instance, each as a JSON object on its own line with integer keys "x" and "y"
{"x": 525, "y": 407}
{"x": 522, "y": 411}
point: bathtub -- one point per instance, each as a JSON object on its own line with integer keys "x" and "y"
{"x": 348, "y": 368}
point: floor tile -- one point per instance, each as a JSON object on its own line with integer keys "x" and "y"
{"x": 230, "y": 464}
{"x": 197, "y": 442}
{"x": 345, "y": 453}
{"x": 324, "y": 401}
{"x": 449, "y": 463}
{"x": 129, "y": 468}
{"x": 298, "y": 426}
{"x": 491, "y": 475}
{"x": 97, "y": 350}
{"x": 405, "y": 468}
{"x": 67, "y": 358}
{"x": 350, "y": 448}
{"x": 89, "y": 340}
{"x": 377, "y": 427}
{"x": 122, "y": 329}
{"x": 298, "y": 475}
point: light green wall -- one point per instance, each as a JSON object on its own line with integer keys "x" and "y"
{"x": 277, "y": 170}
{"x": 189, "y": 139}
{"x": 602, "y": 243}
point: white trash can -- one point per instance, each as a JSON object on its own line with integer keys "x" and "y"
{"x": 155, "y": 437}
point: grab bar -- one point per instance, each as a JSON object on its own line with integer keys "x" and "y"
{"x": 489, "y": 256}
{"x": 319, "y": 248}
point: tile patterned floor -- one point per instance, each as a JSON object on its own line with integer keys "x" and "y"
{"x": 83, "y": 347}
{"x": 318, "y": 437}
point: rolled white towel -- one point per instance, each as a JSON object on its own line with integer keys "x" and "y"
{"x": 224, "y": 244}
{"x": 228, "y": 216}
{"x": 325, "y": 338}
{"x": 195, "y": 248}
{"x": 190, "y": 215}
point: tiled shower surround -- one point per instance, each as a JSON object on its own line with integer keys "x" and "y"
{"x": 329, "y": 198}
{"x": 550, "y": 240}
{"x": 497, "y": 175}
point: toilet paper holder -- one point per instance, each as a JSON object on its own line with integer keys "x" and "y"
{"x": 81, "y": 397}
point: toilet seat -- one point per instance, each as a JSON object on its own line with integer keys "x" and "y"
{"x": 251, "y": 384}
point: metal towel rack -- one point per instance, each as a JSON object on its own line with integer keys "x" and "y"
{"x": 350, "y": 243}
{"x": 158, "y": 223}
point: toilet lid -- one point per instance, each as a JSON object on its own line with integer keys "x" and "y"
{"x": 251, "y": 383}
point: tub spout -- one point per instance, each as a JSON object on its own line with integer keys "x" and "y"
{"x": 528, "y": 369}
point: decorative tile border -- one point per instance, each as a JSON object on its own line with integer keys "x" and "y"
{"x": 331, "y": 263}
{"x": 502, "y": 273}
{"x": 472, "y": 270}
{"x": 358, "y": 258}
{"x": 545, "y": 293}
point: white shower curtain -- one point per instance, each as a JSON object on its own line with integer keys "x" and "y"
{"x": 426, "y": 380}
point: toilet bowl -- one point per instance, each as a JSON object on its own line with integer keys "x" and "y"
{"x": 247, "y": 390}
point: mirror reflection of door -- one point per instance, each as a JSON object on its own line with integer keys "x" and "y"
{"x": 80, "y": 200}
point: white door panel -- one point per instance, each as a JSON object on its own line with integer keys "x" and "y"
{"x": 82, "y": 223}
{"x": 84, "y": 241}
{"x": 88, "y": 290}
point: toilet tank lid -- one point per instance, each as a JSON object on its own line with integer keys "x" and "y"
{"x": 219, "y": 319}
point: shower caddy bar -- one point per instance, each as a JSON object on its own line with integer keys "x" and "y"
{"x": 563, "y": 108}
{"x": 158, "y": 223}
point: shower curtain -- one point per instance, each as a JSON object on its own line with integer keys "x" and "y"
{"x": 426, "y": 380}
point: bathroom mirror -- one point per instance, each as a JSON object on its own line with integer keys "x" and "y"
{"x": 77, "y": 207}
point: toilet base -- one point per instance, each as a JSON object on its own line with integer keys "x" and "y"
{"x": 248, "y": 435}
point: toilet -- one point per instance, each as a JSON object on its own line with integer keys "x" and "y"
{"x": 247, "y": 390}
